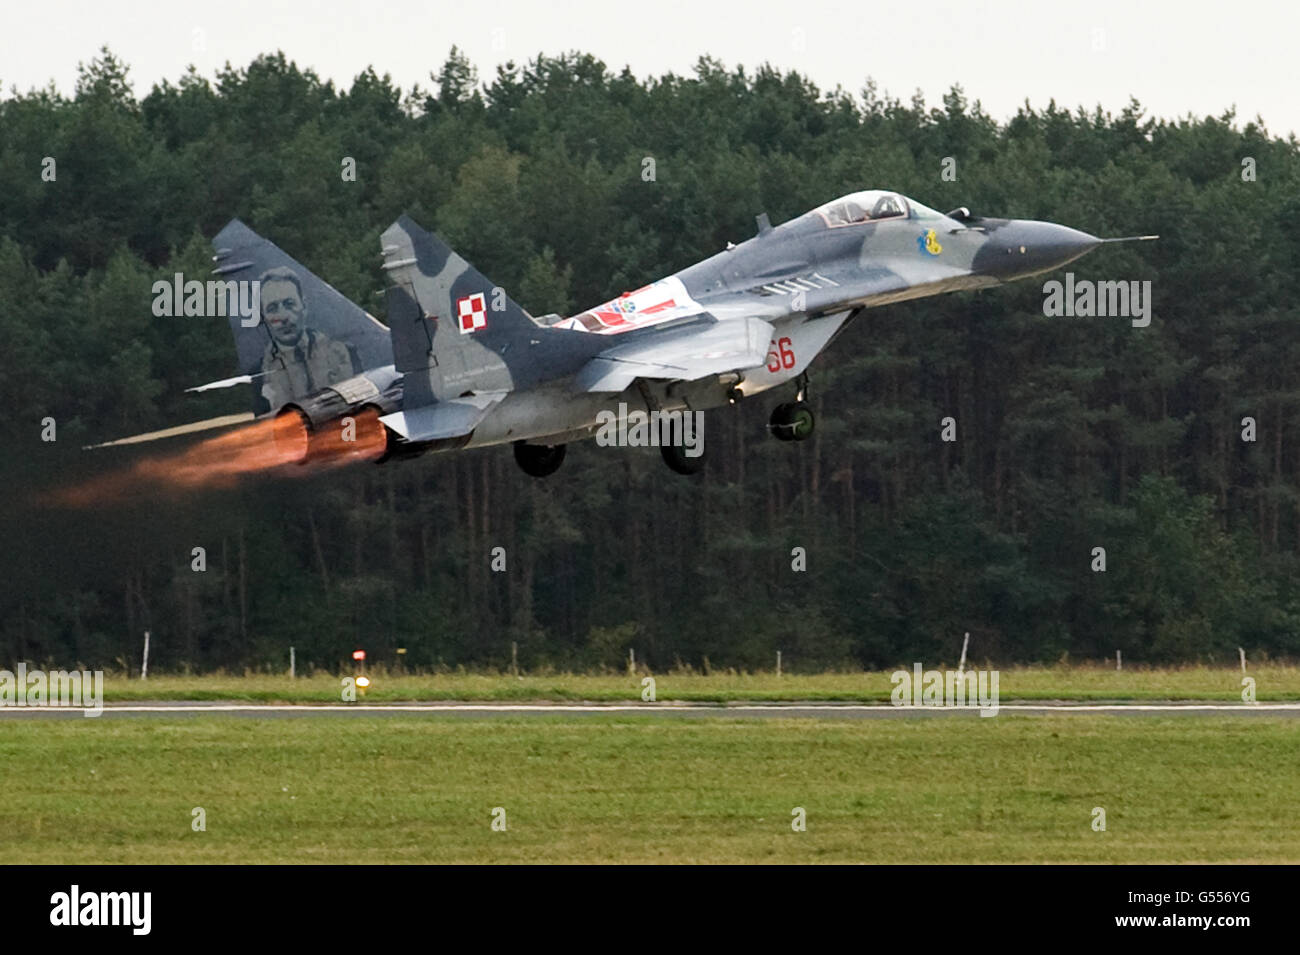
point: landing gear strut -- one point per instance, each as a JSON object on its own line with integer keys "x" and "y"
{"x": 538, "y": 460}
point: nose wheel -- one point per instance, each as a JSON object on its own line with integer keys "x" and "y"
{"x": 792, "y": 421}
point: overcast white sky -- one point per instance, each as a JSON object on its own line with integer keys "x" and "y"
{"x": 1175, "y": 57}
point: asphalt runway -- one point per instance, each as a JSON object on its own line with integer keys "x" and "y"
{"x": 834, "y": 711}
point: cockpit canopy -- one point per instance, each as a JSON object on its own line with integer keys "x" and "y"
{"x": 870, "y": 206}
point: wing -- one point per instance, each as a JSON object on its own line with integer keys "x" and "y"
{"x": 686, "y": 354}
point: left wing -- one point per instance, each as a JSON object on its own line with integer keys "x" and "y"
{"x": 695, "y": 351}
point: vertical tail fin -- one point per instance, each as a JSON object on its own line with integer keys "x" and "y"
{"x": 307, "y": 336}
{"x": 454, "y": 332}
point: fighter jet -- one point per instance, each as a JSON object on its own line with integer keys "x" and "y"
{"x": 478, "y": 370}
{"x": 462, "y": 365}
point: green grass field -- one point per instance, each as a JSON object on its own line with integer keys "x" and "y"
{"x": 645, "y": 789}
{"x": 1274, "y": 682}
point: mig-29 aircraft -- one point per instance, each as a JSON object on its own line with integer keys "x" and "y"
{"x": 462, "y": 365}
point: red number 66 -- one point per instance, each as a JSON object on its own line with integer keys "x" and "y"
{"x": 784, "y": 358}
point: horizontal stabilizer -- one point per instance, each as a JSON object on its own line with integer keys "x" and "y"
{"x": 224, "y": 383}
{"x": 225, "y": 421}
{"x": 690, "y": 353}
{"x": 443, "y": 419}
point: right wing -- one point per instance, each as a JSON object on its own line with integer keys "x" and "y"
{"x": 693, "y": 352}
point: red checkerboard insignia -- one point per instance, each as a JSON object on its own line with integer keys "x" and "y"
{"x": 471, "y": 310}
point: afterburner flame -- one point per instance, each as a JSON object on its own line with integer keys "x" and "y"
{"x": 276, "y": 445}
{"x": 220, "y": 460}
{"x": 359, "y": 437}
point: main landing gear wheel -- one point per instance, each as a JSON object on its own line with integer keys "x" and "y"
{"x": 538, "y": 460}
{"x": 676, "y": 458}
{"x": 792, "y": 421}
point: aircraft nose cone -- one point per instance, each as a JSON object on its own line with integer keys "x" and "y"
{"x": 1026, "y": 247}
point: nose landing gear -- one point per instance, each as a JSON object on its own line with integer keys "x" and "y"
{"x": 793, "y": 420}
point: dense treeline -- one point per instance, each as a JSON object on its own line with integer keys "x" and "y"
{"x": 1072, "y": 433}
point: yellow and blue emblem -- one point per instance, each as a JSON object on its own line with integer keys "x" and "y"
{"x": 929, "y": 243}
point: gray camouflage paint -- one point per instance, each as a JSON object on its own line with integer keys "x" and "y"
{"x": 517, "y": 379}
{"x": 805, "y": 278}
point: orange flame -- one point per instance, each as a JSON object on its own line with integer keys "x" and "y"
{"x": 359, "y": 437}
{"x": 219, "y": 462}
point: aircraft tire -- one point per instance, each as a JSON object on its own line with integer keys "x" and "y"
{"x": 675, "y": 457}
{"x": 792, "y": 421}
{"x": 538, "y": 460}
